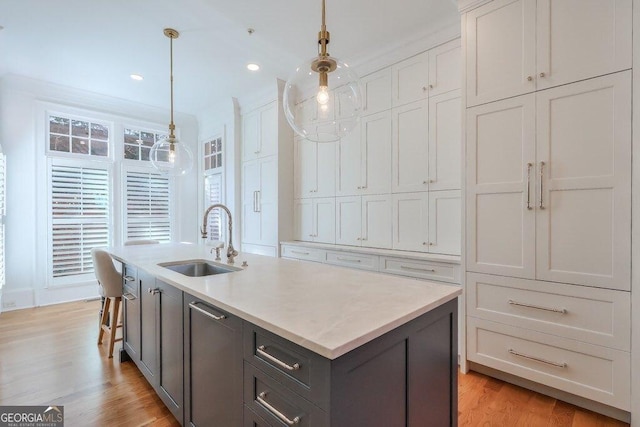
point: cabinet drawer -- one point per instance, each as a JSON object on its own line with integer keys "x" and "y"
{"x": 597, "y": 316}
{"x": 276, "y": 404}
{"x": 421, "y": 269}
{"x": 303, "y": 253}
{"x": 594, "y": 372}
{"x": 352, "y": 260}
{"x": 298, "y": 368}
{"x": 130, "y": 280}
{"x": 251, "y": 419}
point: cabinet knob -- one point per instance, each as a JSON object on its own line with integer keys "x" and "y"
{"x": 430, "y": 243}
{"x": 358, "y": 238}
{"x": 541, "y": 74}
{"x": 364, "y": 187}
{"x": 430, "y": 86}
{"x": 424, "y": 243}
{"x": 359, "y": 188}
{"x": 424, "y": 88}
{"x": 256, "y": 152}
{"x": 529, "y": 78}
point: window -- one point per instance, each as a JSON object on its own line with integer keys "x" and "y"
{"x": 80, "y": 215}
{"x": 2, "y": 214}
{"x": 76, "y": 136}
{"x": 213, "y": 154}
{"x": 213, "y": 194}
{"x": 138, "y": 143}
{"x": 147, "y": 206}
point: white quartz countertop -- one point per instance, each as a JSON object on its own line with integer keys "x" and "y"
{"x": 328, "y": 310}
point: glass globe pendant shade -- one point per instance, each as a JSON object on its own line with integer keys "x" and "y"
{"x": 323, "y": 108}
{"x": 171, "y": 157}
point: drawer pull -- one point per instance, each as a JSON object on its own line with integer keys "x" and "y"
{"x": 129, "y": 278}
{"x": 428, "y": 270}
{"x": 538, "y": 359}
{"x": 205, "y": 312}
{"x": 274, "y": 411}
{"x": 348, "y": 259}
{"x": 539, "y": 307}
{"x": 299, "y": 252}
{"x": 262, "y": 352}
{"x": 129, "y": 296}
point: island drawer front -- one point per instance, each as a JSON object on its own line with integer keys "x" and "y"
{"x": 130, "y": 280}
{"x": 352, "y": 260}
{"x": 307, "y": 254}
{"x": 276, "y": 404}
{"x": 429, "y": 270}
{"x": 251, "y": 419}
{"x": 303, "y": 371}
{"x": 594, "y": 315}
{"x": 591, "y": 371}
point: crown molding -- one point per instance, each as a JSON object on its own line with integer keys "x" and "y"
{"x": 466, "y": 5}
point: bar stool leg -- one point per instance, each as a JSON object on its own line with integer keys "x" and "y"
{"x": 105, "y": 316}
{"x": 114, "y": 324}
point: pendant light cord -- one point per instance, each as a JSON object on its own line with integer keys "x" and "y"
{"x": 172, "y": 126}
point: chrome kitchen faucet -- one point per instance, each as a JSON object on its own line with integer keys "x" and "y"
{"x": 231, "y": 252}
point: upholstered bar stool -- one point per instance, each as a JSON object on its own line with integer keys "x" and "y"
{"x": 110, "y": 283}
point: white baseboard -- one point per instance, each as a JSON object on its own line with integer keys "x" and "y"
{"x": 16, "y": 299}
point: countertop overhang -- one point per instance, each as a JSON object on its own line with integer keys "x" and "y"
{"x": 328, "y": 310}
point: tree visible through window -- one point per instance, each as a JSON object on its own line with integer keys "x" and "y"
{"x": 77, "y": 136}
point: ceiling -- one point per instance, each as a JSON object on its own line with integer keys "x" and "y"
{"x": 95, "y": 45}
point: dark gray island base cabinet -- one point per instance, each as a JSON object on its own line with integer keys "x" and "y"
{"x": 211, "y": 368}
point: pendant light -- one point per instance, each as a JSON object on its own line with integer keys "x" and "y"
{"x": 322, "y": 100}
{"x": 169, "y": 155}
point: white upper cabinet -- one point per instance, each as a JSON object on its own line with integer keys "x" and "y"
{"x": 518, "y": 46}
{"x": 314, "y": 168}
{"x": 548, "y": 184}
{"x": 445, "y": 222}
{"x": 260, "y": 201}
{"x": 349, "y": 220}
{"x": 444, "y": 68}
{"x": 349, "y": 175}
{"x": 445, "y": 141}
{"x": 410, "y": 79}
{"x": 375, "y": 153}
{"x": 315, "y": 220}
{"x": 410, "y": 143}
{"x": 376, "y": 92}
{"x": 411, "y": 221}
{"x": 260, "y": 132}
{"x": 377, "y": 227}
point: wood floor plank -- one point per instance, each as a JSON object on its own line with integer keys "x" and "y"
{"x": 48, "y": 355}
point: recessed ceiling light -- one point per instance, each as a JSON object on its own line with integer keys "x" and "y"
{"x": 136, "y": 77}
{"x": 253, "y": 67}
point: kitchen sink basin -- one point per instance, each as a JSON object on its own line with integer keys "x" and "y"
{"x": 198, "y": 268}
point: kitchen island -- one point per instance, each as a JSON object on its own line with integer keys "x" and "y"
{"x": 282, "y": 342}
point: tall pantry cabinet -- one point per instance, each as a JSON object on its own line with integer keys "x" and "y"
{"x": 548, "y": 193}
{"x": 267, "y": 188}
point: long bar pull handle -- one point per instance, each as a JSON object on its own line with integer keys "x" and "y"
{"x": 539, "y": 307}
{"x": 428, "y": 270}
{"x": 259, "y": 201}
{"x": 260, "y": 398}
{"x": 129, "y": 296}
{"x": 348, "y": 259}
{"x": 538, "y": 359}
{"x": 129, "y": 278}
{"x": 262, "y": 351}
{"x": 541, "y": 205}
{"x": 205, "y": 312}
{"x": 301, "y": 253}
{"x": 255, "y": 201}
{"x": 529, "y": 166}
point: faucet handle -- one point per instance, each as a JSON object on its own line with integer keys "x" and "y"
{"x": 203, "y": 232}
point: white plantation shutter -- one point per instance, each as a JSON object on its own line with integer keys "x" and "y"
{"x": 3, "y": 211}
{"x": 147, "y": 206}
{"x": 213, "y": 194}
{"x": 79, "y": 217}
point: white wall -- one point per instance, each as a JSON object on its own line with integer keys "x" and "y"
{"x": 21, "y": 99}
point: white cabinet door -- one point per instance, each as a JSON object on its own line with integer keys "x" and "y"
{"x": 348, "y": 220}
{"x": 411, "y": 221}
{"x": 445, "y": 141}
{"x": 410, "y": 79}
{"x": 445, "y": 222}
{"x": 325, "y": 169}
{"x": 377, "y": 228}
{"x": 303, "y": 220}
{"x": 324, "y": 220}
{"x": 304, "y": 168}
{"x": 250, "y": 135}
{"x": 500, "y": 50}
{"x": 375, "y": 153}
{"x": 250, "y": 210}
{"x": 268, "y": 130}
{"x": 578, "y": 39}
{"x": 410, "y": 142}
{"x": 444, "y": 68}
{"x": 500, "y": 231}
{"x": 584, "y": 214}
{"x": 349, "y": 176}
{"x": 268, "y": 200}
{"x": 376, "y": 92}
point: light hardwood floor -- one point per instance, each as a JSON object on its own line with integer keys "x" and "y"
{"x": 49, "y": 355}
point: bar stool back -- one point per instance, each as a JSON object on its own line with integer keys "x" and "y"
{"x": 110, "y": 283}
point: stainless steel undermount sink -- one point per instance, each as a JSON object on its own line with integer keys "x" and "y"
{"x": 198, "y": 267}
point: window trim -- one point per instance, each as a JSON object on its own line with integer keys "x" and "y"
{"x": 74, "y": 115}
